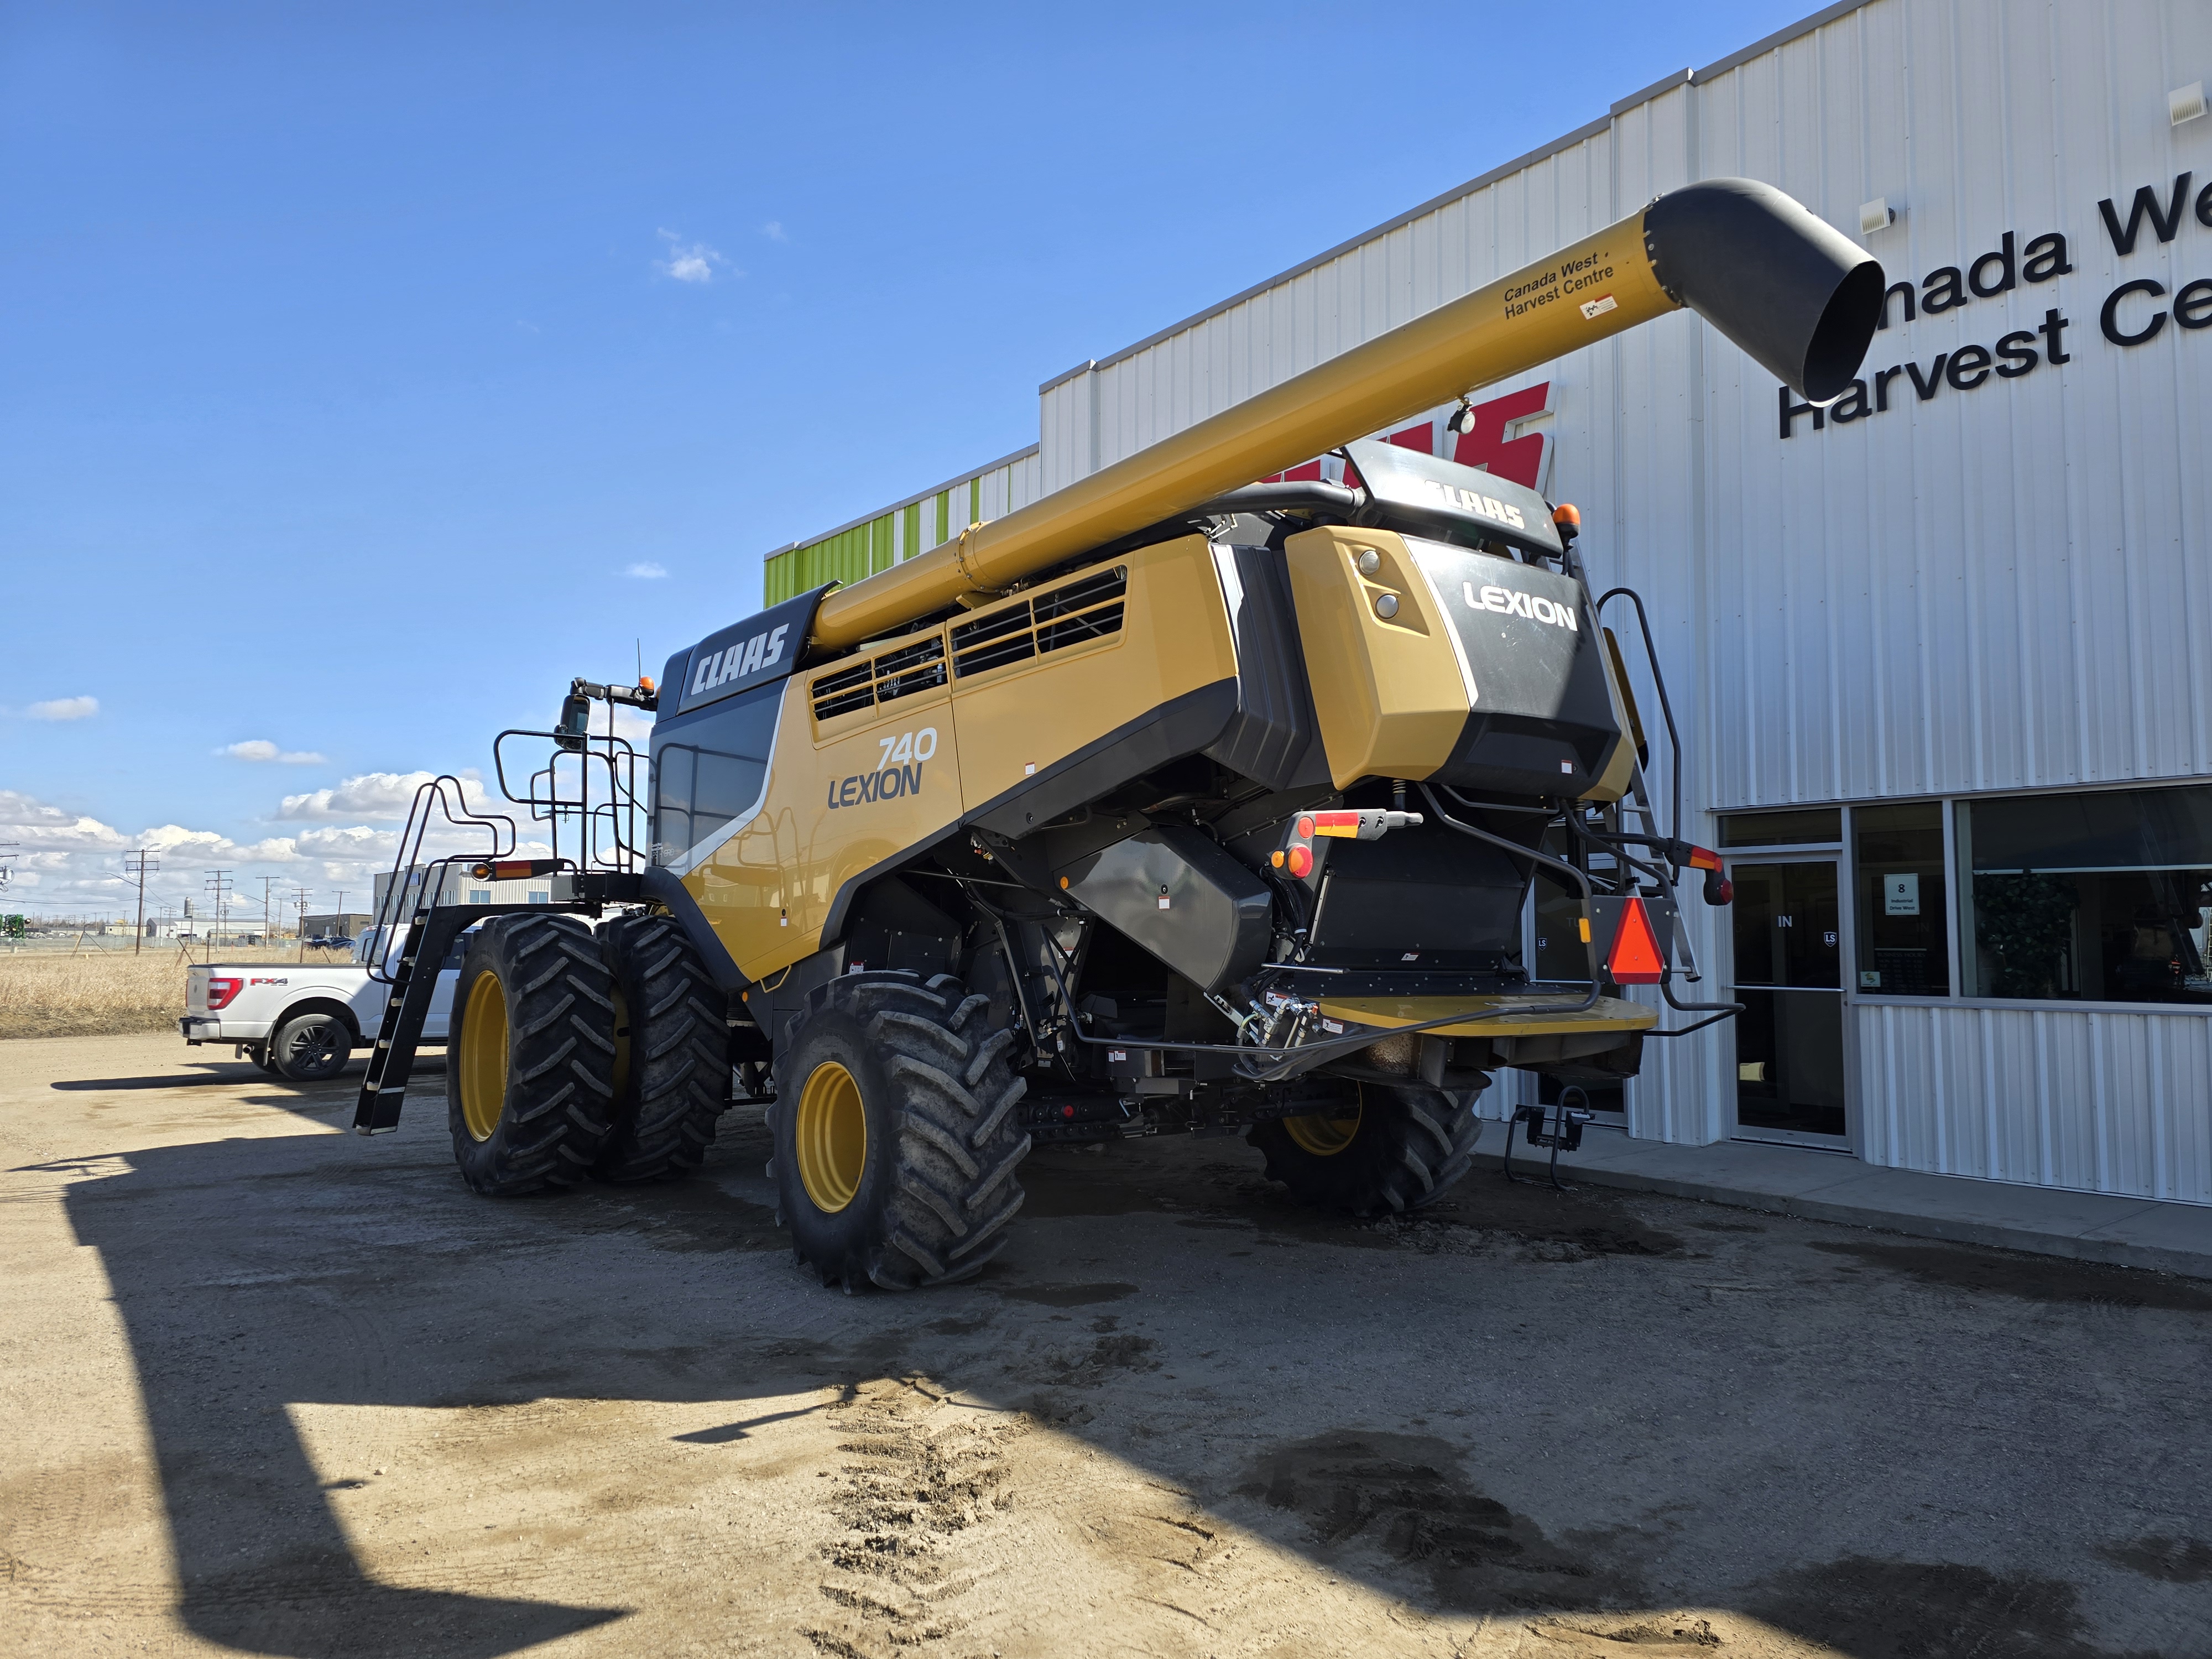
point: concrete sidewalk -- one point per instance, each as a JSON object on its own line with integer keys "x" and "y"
{"x": 1824, "y": 1186}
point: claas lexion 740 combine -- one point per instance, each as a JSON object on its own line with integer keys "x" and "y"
{"x": 1172, "y": 801}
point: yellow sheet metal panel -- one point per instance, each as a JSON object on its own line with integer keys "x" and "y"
{"x": 843, "y": 795}
{"x": 1174, "y": 638}
{"x": 1494, "y": 1016}
{"x": 1389, "y": 692}
{"x": 1584, "y": 293}
{"x": 898, "y": 758}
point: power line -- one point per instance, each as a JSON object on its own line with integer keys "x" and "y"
{"x": 138, "y": 862}
{"x": 218, "y": 884}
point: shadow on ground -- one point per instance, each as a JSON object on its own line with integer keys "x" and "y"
{"x": 1523, "y": 1403}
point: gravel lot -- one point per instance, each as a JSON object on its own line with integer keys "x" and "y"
{"x": 267, "y": 1386}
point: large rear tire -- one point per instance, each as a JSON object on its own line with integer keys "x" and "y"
{"x": 672, "y": 1051}
{"x": 895, "y": 1135}
{"x": 1391, "y": 1148}
{"x": 529, "y": 1062}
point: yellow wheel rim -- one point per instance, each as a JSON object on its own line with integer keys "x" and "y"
{"x": 1324, "y": 1133}
{"x": 484, "y": 1055}
{"x": 622, "y": 1043}
{"x": 831, "y": 1136}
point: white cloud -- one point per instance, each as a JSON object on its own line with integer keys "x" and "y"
{"x": 635, "y": 728}
{"x": 646, "y": 570}
{"x": 260, "y": 748}
{"x": 72, "y": 865}
{"x": 369, "y": 795}
{"x": 21, "y": 811}
{"x": 692, "y": 261}
{"x": 41, "y": 828}
{"x": 774, "y": 231}
{"x": 64, "y": 708}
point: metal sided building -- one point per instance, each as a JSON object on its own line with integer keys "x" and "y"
{"x": 1943, "y": 652}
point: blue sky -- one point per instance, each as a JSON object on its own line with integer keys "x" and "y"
{"x": 352, "y": 357}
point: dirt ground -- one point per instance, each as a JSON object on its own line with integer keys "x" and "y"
{"x": 265, "y": 1386}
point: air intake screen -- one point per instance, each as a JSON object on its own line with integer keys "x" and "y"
{"x": 886, "y": 678}
{"x": 1052, "y": 621}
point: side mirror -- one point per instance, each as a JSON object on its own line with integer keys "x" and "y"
{"x": 576, "y": 723}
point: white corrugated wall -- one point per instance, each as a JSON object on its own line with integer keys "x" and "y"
{"x": 1996, "y": 589}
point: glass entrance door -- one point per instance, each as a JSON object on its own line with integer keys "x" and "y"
{"x": 1788, "y": 976}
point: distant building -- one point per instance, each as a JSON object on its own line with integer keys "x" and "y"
{"x": 349, "y": 923}
{"x": 461, "y": 889}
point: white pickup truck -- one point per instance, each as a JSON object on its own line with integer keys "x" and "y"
{"x": 303, "y": 1020}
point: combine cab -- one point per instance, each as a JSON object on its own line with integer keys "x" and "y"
{"x": 1166, "y": 805}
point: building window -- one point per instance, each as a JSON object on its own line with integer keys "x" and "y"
{"x": 1802, "y": 827}
{"x": 1905, "y": 950}
{"x": 2097, "y": 897}
{"x": 541, "y": 895}
{"x": 480, "y": 895}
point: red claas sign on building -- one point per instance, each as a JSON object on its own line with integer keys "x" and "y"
{"x": 1525, "y": 459}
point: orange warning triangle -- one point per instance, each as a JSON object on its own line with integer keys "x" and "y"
{"x": 1636, "y": 956}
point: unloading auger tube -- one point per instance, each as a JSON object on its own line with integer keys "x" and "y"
{"x": 1799, "y": 297}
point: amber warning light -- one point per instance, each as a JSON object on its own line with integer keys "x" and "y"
{"x": 1296, "y": 855}
{"x": 513, "y": 869}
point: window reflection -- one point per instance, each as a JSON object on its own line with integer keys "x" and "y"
{"x": 2097, "y": 897}
{"x": 1905, "y": 947}
{"x": 709, "y": 767}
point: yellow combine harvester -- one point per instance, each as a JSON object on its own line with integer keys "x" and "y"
{"x": 1170, "y": 802}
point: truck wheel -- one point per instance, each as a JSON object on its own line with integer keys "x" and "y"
{"x": 671, "y": 1068}
{"x": 1393, "y": 1147}
{"x": 529, "y": 1062}
{"x": 310, "y": 1046}
{"x": 896, "y": 1137}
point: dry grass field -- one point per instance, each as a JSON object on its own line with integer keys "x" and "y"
{"x": 44, "y": 993}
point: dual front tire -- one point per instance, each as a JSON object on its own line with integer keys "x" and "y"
{"x": 530, "y": 1059}
{"x": 576, "y": 1055}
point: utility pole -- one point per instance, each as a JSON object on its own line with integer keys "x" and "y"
{"x": 137, "y": 862}
{"x": 268, "y": 933}
{"x": 302, "y": 893}
{"x": 217, "y": 882}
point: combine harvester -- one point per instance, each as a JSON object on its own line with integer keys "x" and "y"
{"x": 1171, "y": 802}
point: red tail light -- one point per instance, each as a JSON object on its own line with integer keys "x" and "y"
{"x": 220, "y": 991}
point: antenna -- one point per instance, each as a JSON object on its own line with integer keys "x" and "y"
{"x": 640, "y": 662}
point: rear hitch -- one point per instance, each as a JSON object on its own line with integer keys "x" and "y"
{"x": 1563, "y": 1133}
